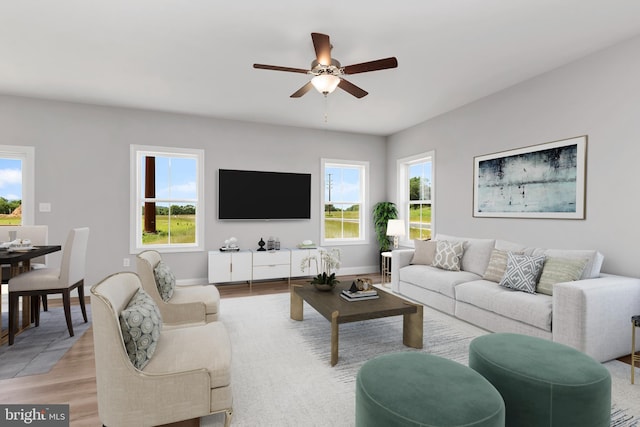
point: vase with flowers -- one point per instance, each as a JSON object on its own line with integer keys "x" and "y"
{"x": 327, "y": 263}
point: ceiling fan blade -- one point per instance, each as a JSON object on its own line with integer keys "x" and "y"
{"x": 277, "y": 68}
{"x": 322, "y": 45}
{"x": 352, "y": 89}
{"x": 380, "y": 64}
{"x": 304, "y": 89}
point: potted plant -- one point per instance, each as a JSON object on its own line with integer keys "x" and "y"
{"x": 382, "y": 213}
{"x": 326, "y": 267}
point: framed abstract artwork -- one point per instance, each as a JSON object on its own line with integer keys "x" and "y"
{"x": 540, "y": 181}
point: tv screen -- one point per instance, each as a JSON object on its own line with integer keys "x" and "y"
{"x": 259, "y": 195}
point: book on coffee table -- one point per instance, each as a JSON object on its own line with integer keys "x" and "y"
{"x": 359, "y": 295}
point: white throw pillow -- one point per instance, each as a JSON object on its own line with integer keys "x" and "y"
{"x": 425, "y": 251}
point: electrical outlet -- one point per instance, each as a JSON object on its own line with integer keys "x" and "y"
{"x": 126, "y": 262}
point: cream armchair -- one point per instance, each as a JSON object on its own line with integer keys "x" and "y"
{"x": 187, "y": 304}
{"x": 187, "y": 376}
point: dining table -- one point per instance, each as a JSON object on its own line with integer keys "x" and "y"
{"x": 19, "y": 261}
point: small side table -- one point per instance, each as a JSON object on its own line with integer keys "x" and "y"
{"x": 385, "y": 268}
{"x": 635, "y": 357}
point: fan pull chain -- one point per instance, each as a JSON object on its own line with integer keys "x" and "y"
{"x": 326, "y": 108}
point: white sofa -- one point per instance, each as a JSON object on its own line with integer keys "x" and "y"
{"x": 591, "y": 314}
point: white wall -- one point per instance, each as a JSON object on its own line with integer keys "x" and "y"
{"x": 82, "y": 169}
{"x": 598, "y": 96}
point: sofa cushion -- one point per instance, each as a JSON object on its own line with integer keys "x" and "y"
{"x": 448, "y": 255}
{"x": 425, "y": 251}
{"x": 505, "y": 245}
{"x": 522, "y": 272}
{"x": 532, "y": 309}
{"x": 140, "y": 323}
{"x": 497, "y": 265}
{"x": 435, "y": 279}
{"x": 558, "y": 270}
{"x": 476, "y": 252}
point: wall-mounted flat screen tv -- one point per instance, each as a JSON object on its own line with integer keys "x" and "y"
{"x": 255, "y": 195}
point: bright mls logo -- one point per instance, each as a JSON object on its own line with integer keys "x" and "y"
{"x": 34, "y": 415}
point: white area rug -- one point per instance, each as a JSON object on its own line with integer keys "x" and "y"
{"x": 281, "y": 374}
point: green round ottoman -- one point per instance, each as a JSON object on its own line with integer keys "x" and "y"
{"x": 418, "y": 389}
{"x": 543, "y": 383}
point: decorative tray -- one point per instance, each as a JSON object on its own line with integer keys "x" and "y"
{"x": 229, "y": 249}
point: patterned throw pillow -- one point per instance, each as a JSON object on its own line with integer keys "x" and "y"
{"x": 165, "y": 281}
{"x": 140, "y": 323}
{"x": 425, "y": 251}
{"x": 497, "y": 265}
{"x": 448, "y": 255}
{"x": 558, "y": 270}
{"x": 522, "y": 272}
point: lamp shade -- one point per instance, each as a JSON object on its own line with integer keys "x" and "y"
{"x": 325, "y": 83}
{"x": 395, "y": 227}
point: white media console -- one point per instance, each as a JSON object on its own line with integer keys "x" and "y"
{"x": 254, "y": 265}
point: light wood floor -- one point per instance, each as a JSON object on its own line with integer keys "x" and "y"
{"x": 73, "y": 380}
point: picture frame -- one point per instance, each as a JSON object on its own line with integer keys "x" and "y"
{"x": 541, "y": 181}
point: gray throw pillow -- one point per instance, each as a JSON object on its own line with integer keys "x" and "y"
{"x": 165, "y": 281}
{"x": 448, "y": 255}
{"x": 558, "y": 270}
{"x": 140, "y": 323}
{"x": 522, "y": 272}
{"x": 425, "y": 251}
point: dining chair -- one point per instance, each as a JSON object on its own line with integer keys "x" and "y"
{"x": 44, "y": 281}
{"x": 38, "y": 235}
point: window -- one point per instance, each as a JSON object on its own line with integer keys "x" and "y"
{"x": 16, "y": 185}
{"x": 416, "y": 194}
{"x": 167, "y": 206}
{"x": 344, "y": 204}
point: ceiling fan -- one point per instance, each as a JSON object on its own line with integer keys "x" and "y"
{"x": 328, "y": 73}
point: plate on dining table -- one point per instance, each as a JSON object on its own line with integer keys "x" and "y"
{"x": 20, "y": 248}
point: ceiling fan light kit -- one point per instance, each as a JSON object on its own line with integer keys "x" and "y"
{"x": 328, "y": 73}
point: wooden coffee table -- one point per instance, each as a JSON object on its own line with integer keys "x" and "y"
{"x": 337, "y": 310}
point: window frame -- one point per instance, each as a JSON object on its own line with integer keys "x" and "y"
{"x": 403, "y": 201}
{"x": 27, "y": 155}
{"x": 363, "y": 166}
{"x": 136, "y": 199}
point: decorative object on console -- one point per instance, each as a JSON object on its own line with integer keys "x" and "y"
{"x": 541, "y": 181}
{"x": 328, "y": 264}
{"x": 395, "y": 228}
{"x": 261, "y": 244}
{"x": 230, "y": 245}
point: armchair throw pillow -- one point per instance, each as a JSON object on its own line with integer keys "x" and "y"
{"x": 140, "y": 323}
{"x": 522, "y": 272}
{"x": 165, "y": 281}
{"x": 448, "y": 255}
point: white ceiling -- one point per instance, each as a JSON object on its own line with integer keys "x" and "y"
{"x": 196, "y": 56}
